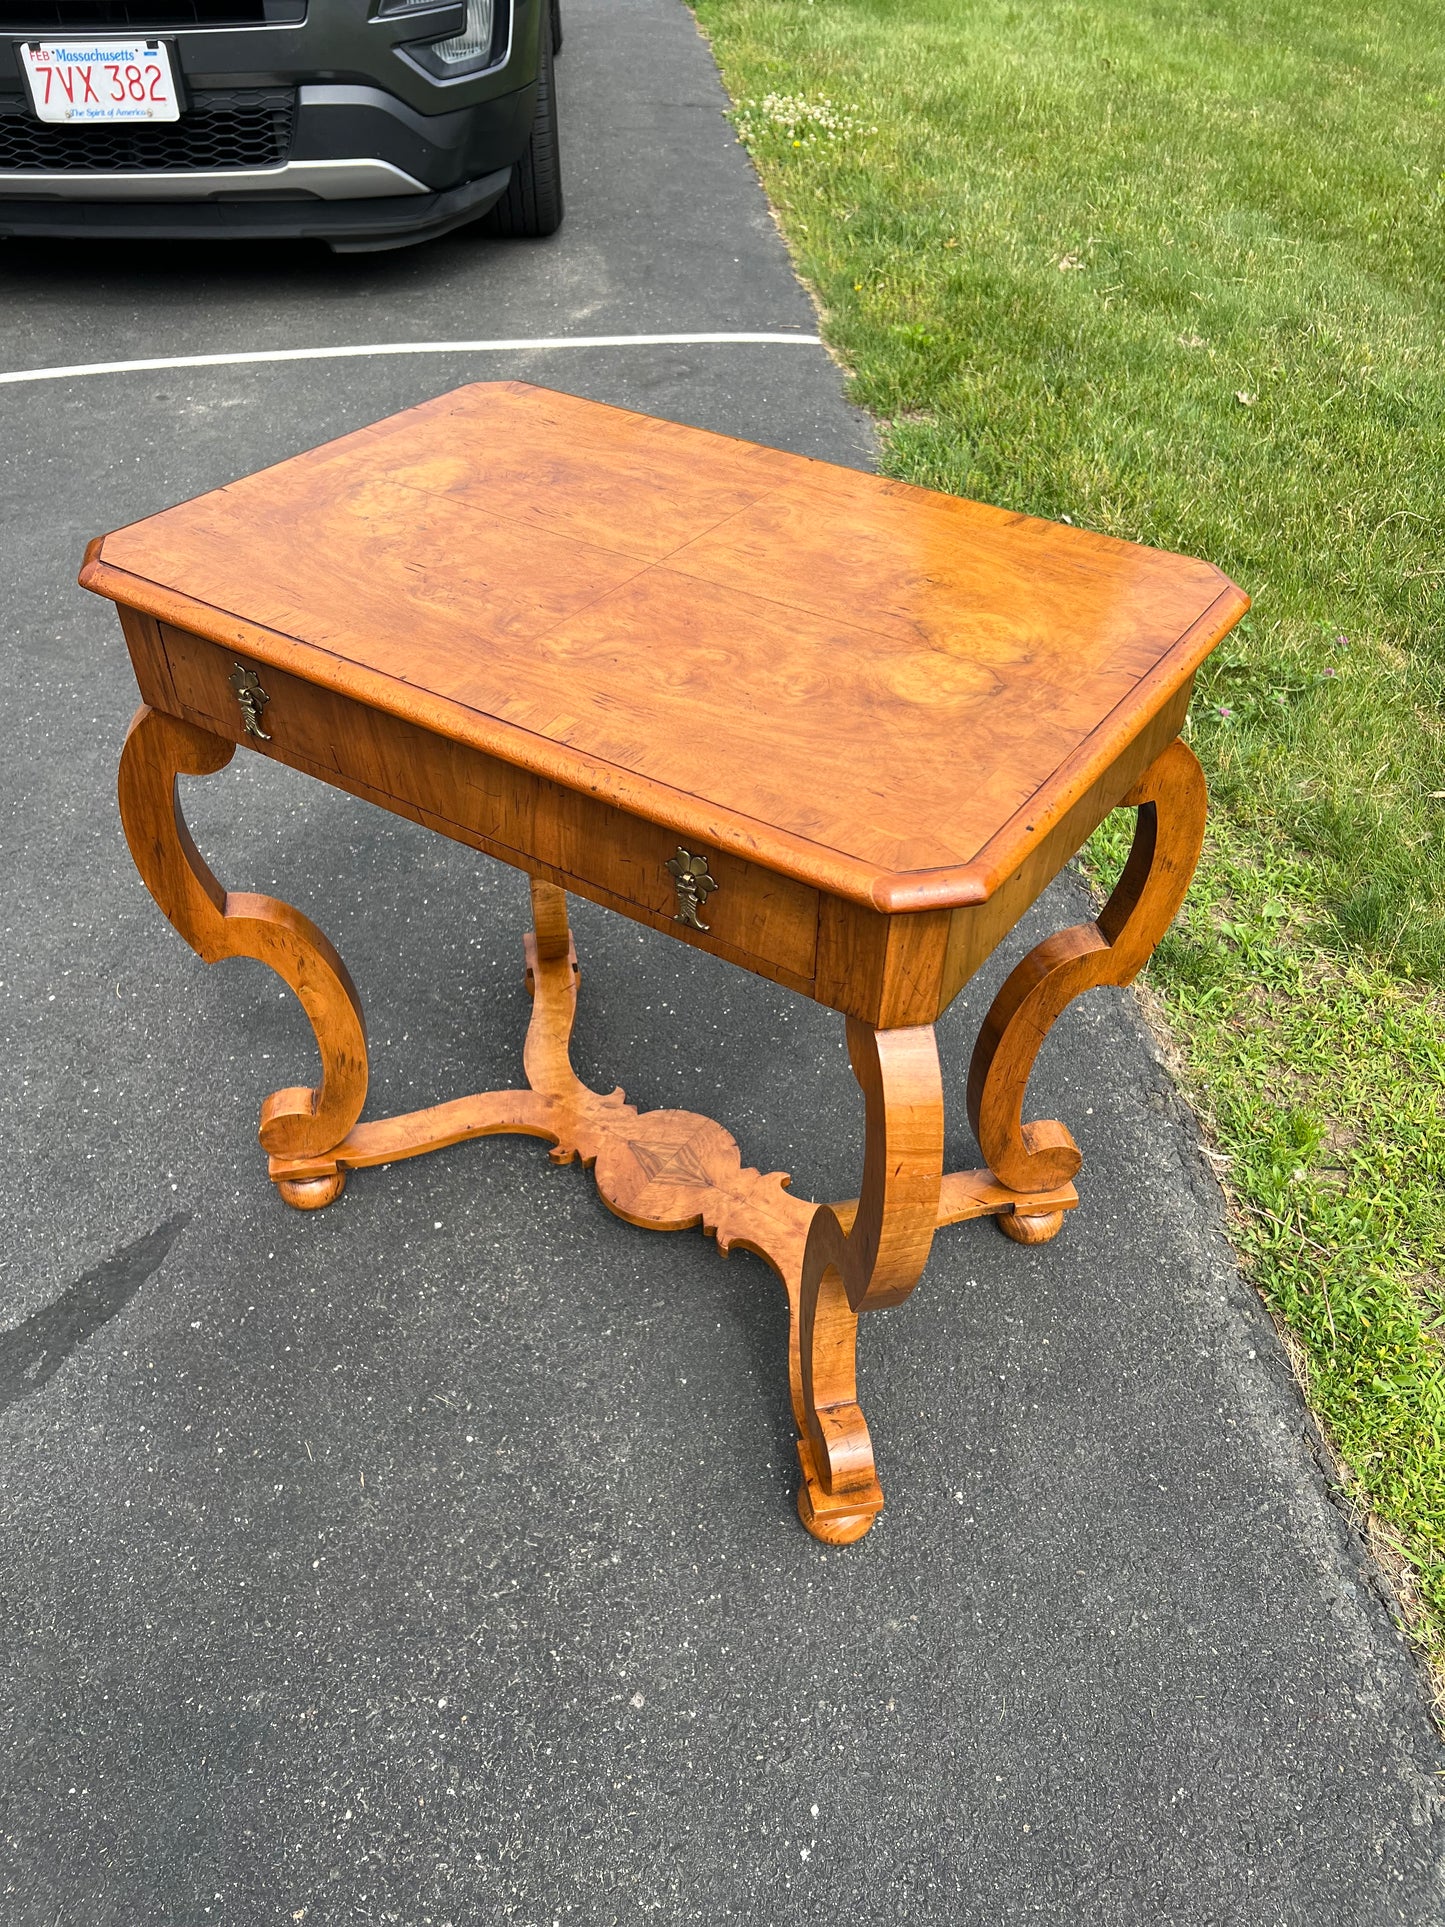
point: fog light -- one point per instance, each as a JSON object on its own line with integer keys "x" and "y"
{"x": 473, "y": 45}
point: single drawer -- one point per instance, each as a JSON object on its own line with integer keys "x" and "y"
{"x": 730, "y": 906}
{"x": 745, "y": 910}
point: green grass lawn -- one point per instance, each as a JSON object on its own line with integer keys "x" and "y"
{"x": 1175, "y": 271}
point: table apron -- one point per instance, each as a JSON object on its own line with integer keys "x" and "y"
{"x": 755, "y": 916}
{"x": 890, "y": 971}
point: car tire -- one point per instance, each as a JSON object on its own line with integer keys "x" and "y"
{"x": 532, "y": 204}
{"x": 556, "y": 26}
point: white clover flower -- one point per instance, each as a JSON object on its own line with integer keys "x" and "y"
{"x": 796, "y": 119}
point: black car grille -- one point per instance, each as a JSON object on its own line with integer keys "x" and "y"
{"x": 250, "y": 128}
{"x": 51, "y": 16}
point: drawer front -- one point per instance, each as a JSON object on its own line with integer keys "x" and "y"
{"x": 750, "y": 914}
{"x": 743, "y": 909}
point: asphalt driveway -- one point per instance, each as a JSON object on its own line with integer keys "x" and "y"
{"x": 432, "y": 1559}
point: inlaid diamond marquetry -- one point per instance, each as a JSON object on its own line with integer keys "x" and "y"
{"x": 666, "y": 1162}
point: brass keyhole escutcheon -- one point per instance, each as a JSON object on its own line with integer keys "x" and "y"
{"x": 693, "y": 885}
{"x": 252, "y": 698}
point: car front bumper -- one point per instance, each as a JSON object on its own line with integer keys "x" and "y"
{"x": 350, "y": 226}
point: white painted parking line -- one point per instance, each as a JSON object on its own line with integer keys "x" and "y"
{"x": 521, "y": 344}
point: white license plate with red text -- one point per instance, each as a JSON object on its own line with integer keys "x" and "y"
{"x": 100, "y": 80}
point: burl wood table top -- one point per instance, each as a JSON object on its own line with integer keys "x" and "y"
{"x": 885, "y": 693}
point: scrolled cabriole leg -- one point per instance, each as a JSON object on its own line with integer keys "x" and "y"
{"x": 876, "y": 1262}
{"x": 219, "y": 923}
{"x": 1171, "y": 800}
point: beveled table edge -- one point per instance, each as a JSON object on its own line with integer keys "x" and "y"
{"x": 784, "y": 851}
{"x": 1015, "y": 840}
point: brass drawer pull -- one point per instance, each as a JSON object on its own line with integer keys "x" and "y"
{"x": 694, "y": 886}
{"x": 252, "y": 698}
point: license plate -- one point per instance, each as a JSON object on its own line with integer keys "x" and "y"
{"x": 100, "y": 80}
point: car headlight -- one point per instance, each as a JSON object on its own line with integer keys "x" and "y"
{"x": 472, "y": 47}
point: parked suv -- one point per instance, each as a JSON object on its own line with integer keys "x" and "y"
{"x": 363, "y": 123}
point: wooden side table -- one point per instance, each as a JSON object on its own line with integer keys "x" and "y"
{"x": 834, "y": 729}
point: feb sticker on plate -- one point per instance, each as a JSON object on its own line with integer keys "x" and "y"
{"x": 100, "y": 80}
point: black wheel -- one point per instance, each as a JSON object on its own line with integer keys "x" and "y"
{"x": 532, "y": 204}
{"x": 556, "y": 26}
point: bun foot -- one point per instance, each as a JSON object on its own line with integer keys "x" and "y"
{"x": 1026, "y": 1229}
{"x": 833, "y": 1528}
{"x": 310, "y": 1194}
{"x": 836, "y": 1521}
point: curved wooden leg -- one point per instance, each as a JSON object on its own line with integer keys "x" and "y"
{"x": 1171, "y": 801}
{"x": 219, "y": 923}
{"x": 552, "y": 983}
{"x": 876, "y": 1261}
